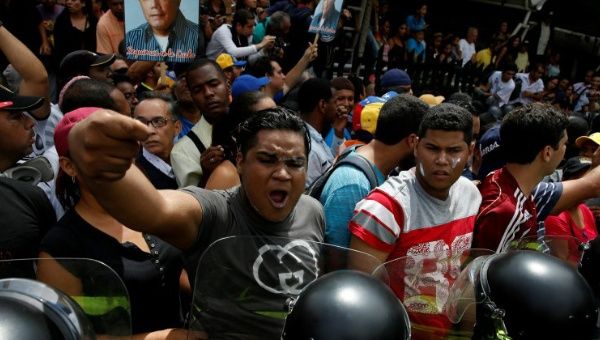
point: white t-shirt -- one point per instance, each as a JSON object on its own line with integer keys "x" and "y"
{"x": 535, "y": 87}
{"x": 502, "y": 90}
{"x": 467, "y": 49}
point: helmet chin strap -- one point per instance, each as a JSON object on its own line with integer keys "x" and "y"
{"x": 496, "y": 317}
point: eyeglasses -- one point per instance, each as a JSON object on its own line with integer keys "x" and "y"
{"x": 156, "y": 122}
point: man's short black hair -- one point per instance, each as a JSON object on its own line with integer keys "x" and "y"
{"x": 463, "y": 100}
{"x": 448, "y": 117}
{"x": 398, "y": 118}
{"x": 88, "y": 93}
{"x": 203, "y": 62}
{"x": 278, "y": 118}
{"x": 509, "y": 66}
{"x": 312, "y": 92}
{"x": 260, "y": 67}
{"x": 242, "y": 16}
{"x": 527, "y": 130}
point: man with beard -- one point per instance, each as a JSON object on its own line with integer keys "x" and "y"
{"x": 111, "y": 28}
{"x": 193, "y": 156}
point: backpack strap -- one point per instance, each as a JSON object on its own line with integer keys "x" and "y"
{"x": 316, "y": 189}
{"x": 194, "y": 137}
{"x": 363, "y": 165}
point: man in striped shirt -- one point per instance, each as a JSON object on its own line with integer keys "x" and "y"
{"x": 425, "y": 214}
{"x": 166, "y": 36}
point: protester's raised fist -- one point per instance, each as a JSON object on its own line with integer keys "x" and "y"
{"x": 104, "y": 145}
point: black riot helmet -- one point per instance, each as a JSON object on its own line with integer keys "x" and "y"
{"x": 347, "y": 304}
{"x": 32, "y": 310}
{"x": 531, "y": 295}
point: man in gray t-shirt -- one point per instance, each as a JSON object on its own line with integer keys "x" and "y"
{"x": 269, "y": 204}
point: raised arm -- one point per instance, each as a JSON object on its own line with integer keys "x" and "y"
{"x": 292, "y": 77}
{"x": 30, "y": 68}
{"x": 103, "y": 147}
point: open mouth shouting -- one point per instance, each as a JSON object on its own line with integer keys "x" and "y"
{"x": 278, "y": 198}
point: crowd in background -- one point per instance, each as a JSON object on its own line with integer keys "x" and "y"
{"x": 256, "y": 55}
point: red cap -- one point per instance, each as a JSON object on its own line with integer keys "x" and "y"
{"x": 61, "y": 133}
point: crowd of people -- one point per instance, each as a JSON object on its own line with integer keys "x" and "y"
{"x": 437, "y": 146}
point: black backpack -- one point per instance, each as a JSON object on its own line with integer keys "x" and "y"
{"x": 316, "y": 188}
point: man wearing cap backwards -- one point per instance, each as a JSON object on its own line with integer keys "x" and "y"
{"x": 588, "y": 144}
{"x": 394, "y": 140}
{"x": 515, "y": 202}
{"x": 167, "y": 35}
{"x": 231, "y": 67}
{"x": 193, "y": 158}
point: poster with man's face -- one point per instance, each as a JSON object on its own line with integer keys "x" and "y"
{"x": 325, "y": 19}
{"x": 162, "y": 30}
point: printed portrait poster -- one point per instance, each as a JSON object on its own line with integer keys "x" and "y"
{"x": 162, "y": 30}
{"x": 325, "y": 19}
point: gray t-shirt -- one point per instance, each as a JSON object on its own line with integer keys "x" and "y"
{"x": 243, "y": 281}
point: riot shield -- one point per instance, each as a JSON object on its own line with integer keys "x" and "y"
{"x": 244, "y": 285}
{"x": 565, "y": 247}
{"x": 422, "y": 283}
{"x": 88, "y": 291}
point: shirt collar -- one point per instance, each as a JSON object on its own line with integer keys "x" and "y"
{"x": 158, "y": 163}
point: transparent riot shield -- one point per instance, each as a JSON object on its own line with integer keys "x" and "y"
{"x": 565, "y": 247}
{"x": 423, "y": 283}
{"x": 244, "y": 285}
{"x": 88, "y": 291}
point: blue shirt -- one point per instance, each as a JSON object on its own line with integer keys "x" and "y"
{"x": 186, "y": 126}
{"x": 416, "y": 48}
{"x": 182, "y": 46}
{"x": 319, "y": 158}
{"x": 415, "y": 24}
{"x": 345, "y": 187}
